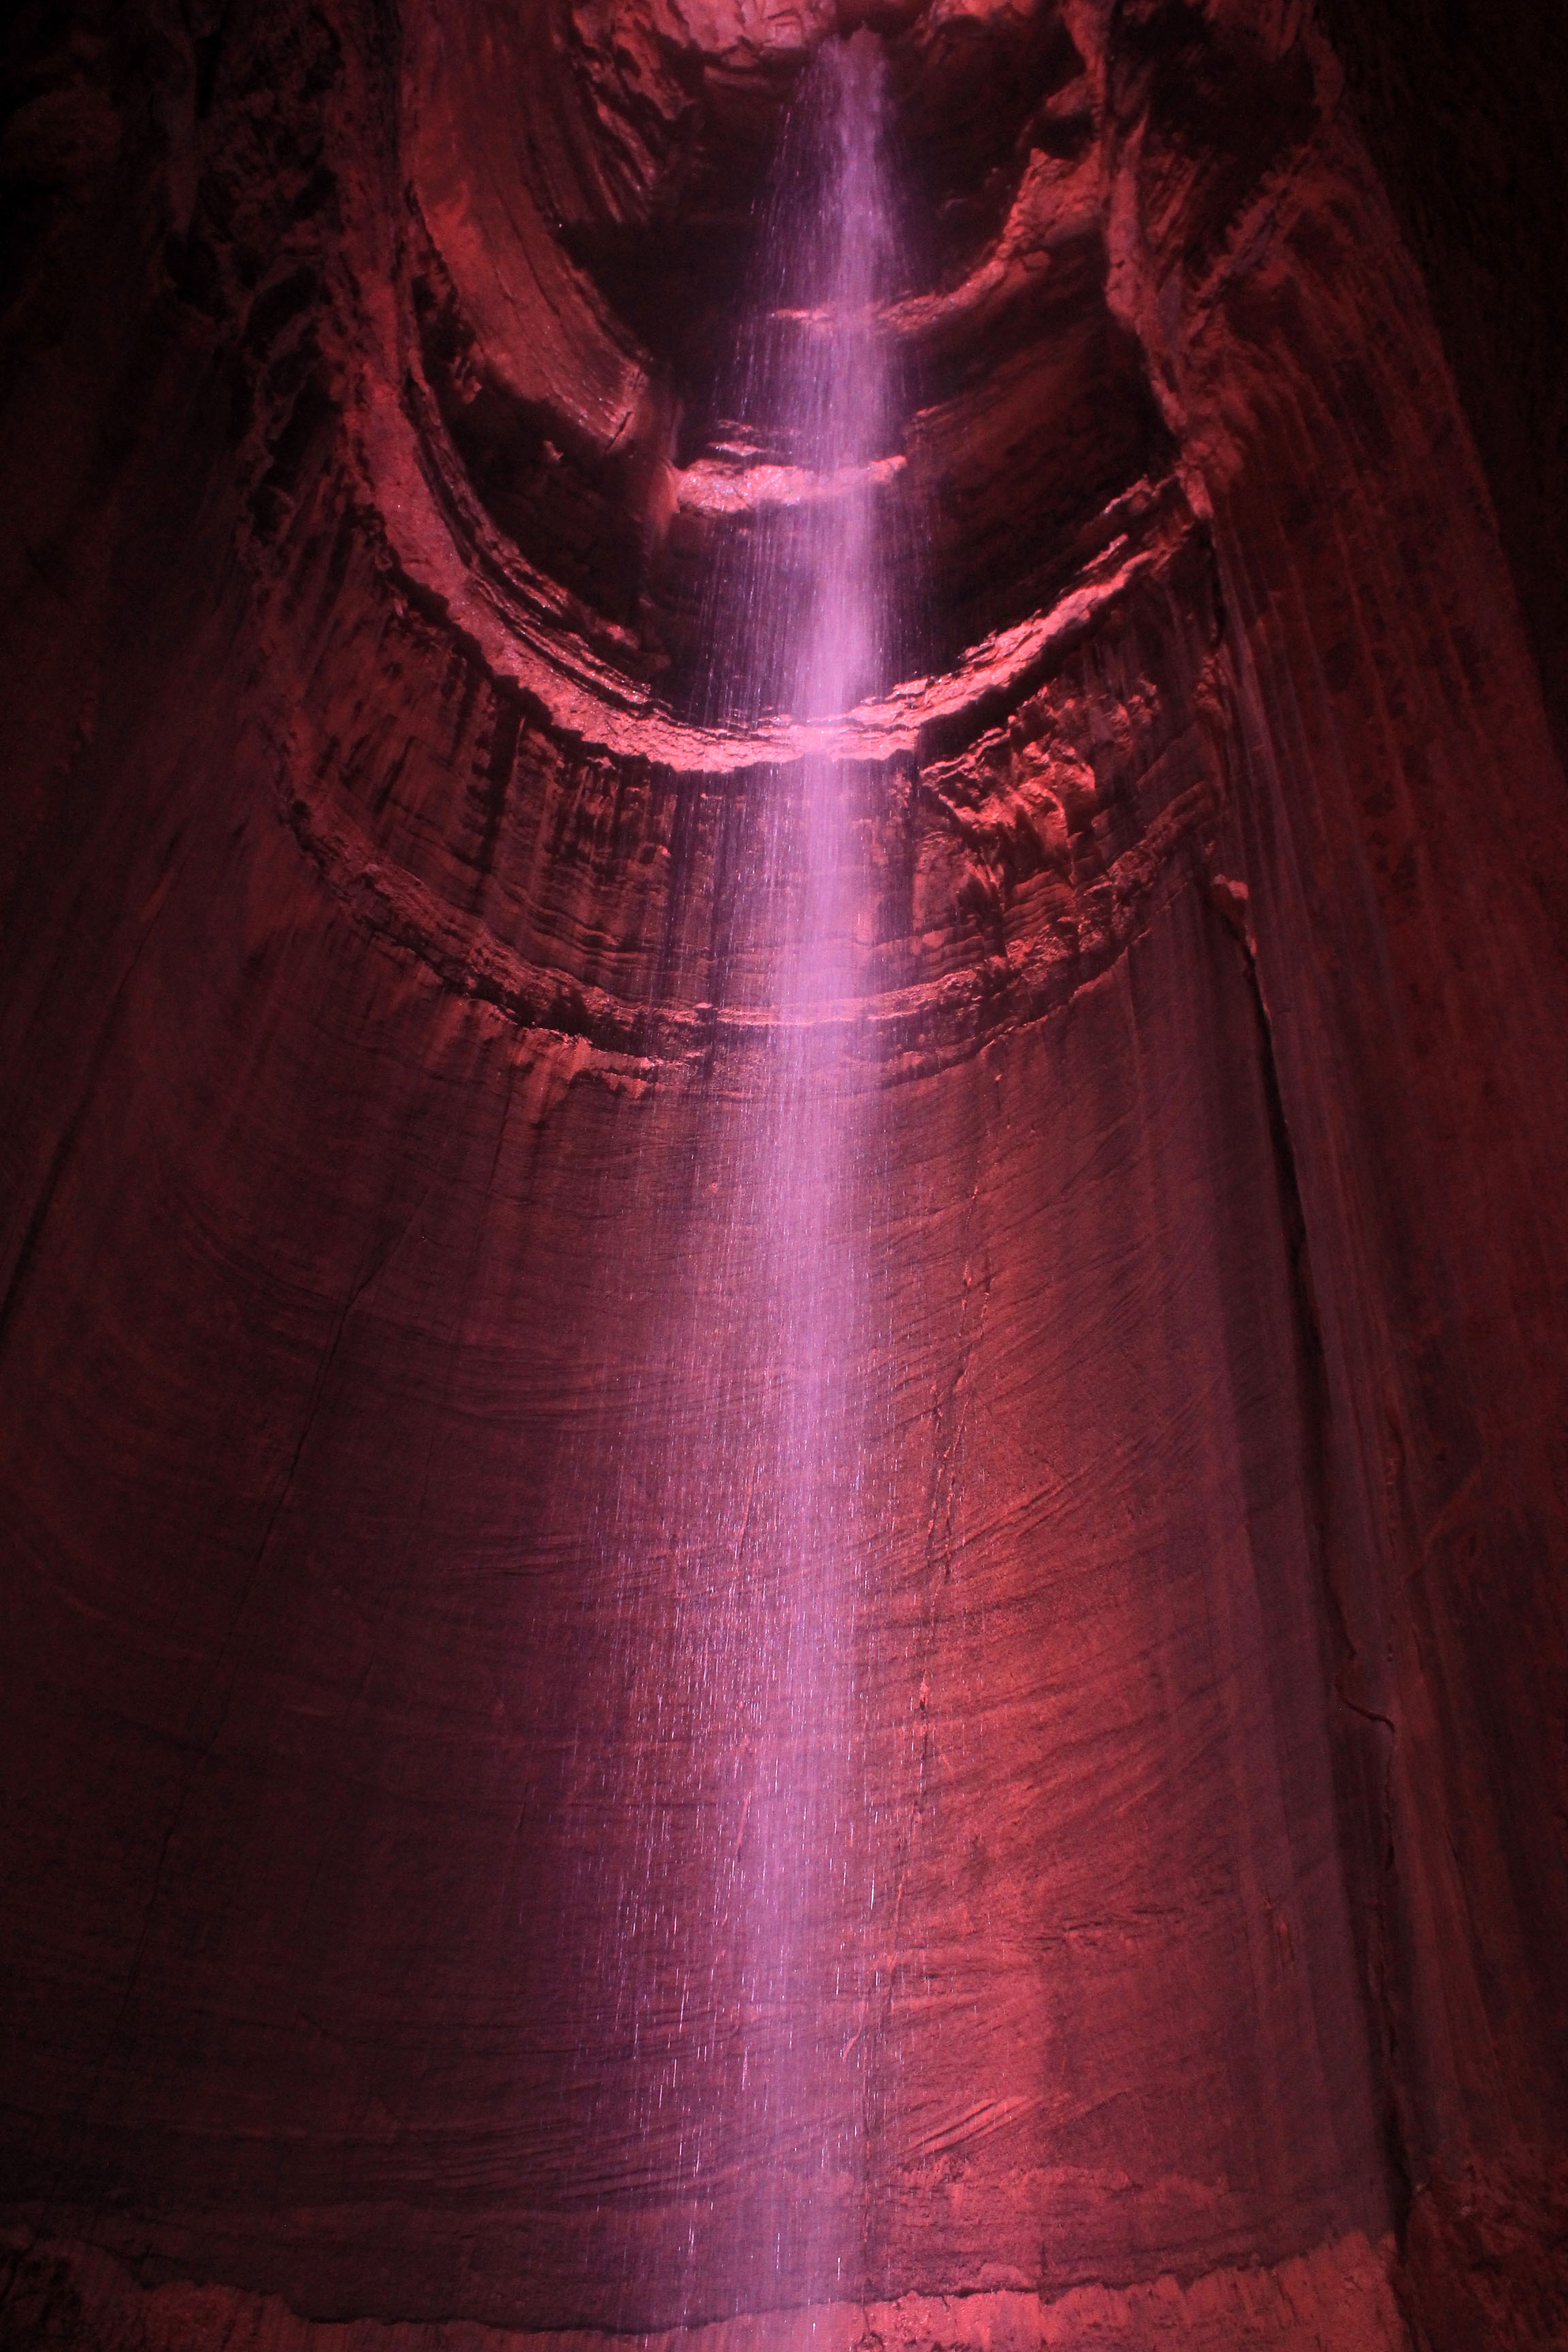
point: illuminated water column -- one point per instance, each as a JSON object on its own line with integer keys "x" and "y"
{"x": 748, "y": 2012}
{"x": 816, "y": 627}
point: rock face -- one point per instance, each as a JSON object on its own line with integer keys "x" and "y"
{"x": 380, "y": 1349}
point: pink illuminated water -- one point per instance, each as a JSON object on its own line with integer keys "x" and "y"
{"x": 817, "y": 620}
{"x": 798, "y": 620}
{"x": 739, "y": 1995}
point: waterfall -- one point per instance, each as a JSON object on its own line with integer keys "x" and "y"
{"x": 797, "y": 619}
{"x": 734, "y": 1948}
{"x": 813, "y": 634}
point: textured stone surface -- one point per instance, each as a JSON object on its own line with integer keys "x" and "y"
{"x": 1463, "y": 116}
{"x": 383, "y": 1335}
{"x": 1336, "y": 2299}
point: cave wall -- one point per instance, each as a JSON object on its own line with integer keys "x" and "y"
{"x": 1460, "y": 113}
{"x": 378, "y": 1037}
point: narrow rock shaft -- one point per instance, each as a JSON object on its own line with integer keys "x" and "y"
{"x": 782, "y": 1373}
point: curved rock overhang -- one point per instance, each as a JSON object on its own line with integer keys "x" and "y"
{"x": 580, "y": 217}
{"x": 378, "y": 1010}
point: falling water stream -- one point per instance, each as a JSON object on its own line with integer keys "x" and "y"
{"x": 811, "y": 625}
{"x": 799, "y": 619}
{"x": 735, "y": 1948}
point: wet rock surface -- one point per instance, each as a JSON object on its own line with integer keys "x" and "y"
{"x": 379, "y": 1010}
{"x": 1336, "y": 2299}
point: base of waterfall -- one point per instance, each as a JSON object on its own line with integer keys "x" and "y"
{"x": 1333, "y": 2298}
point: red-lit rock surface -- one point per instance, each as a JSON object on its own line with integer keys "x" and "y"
{"x": 379, "y": 1035}
{"x": 1335, "y": 2299}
